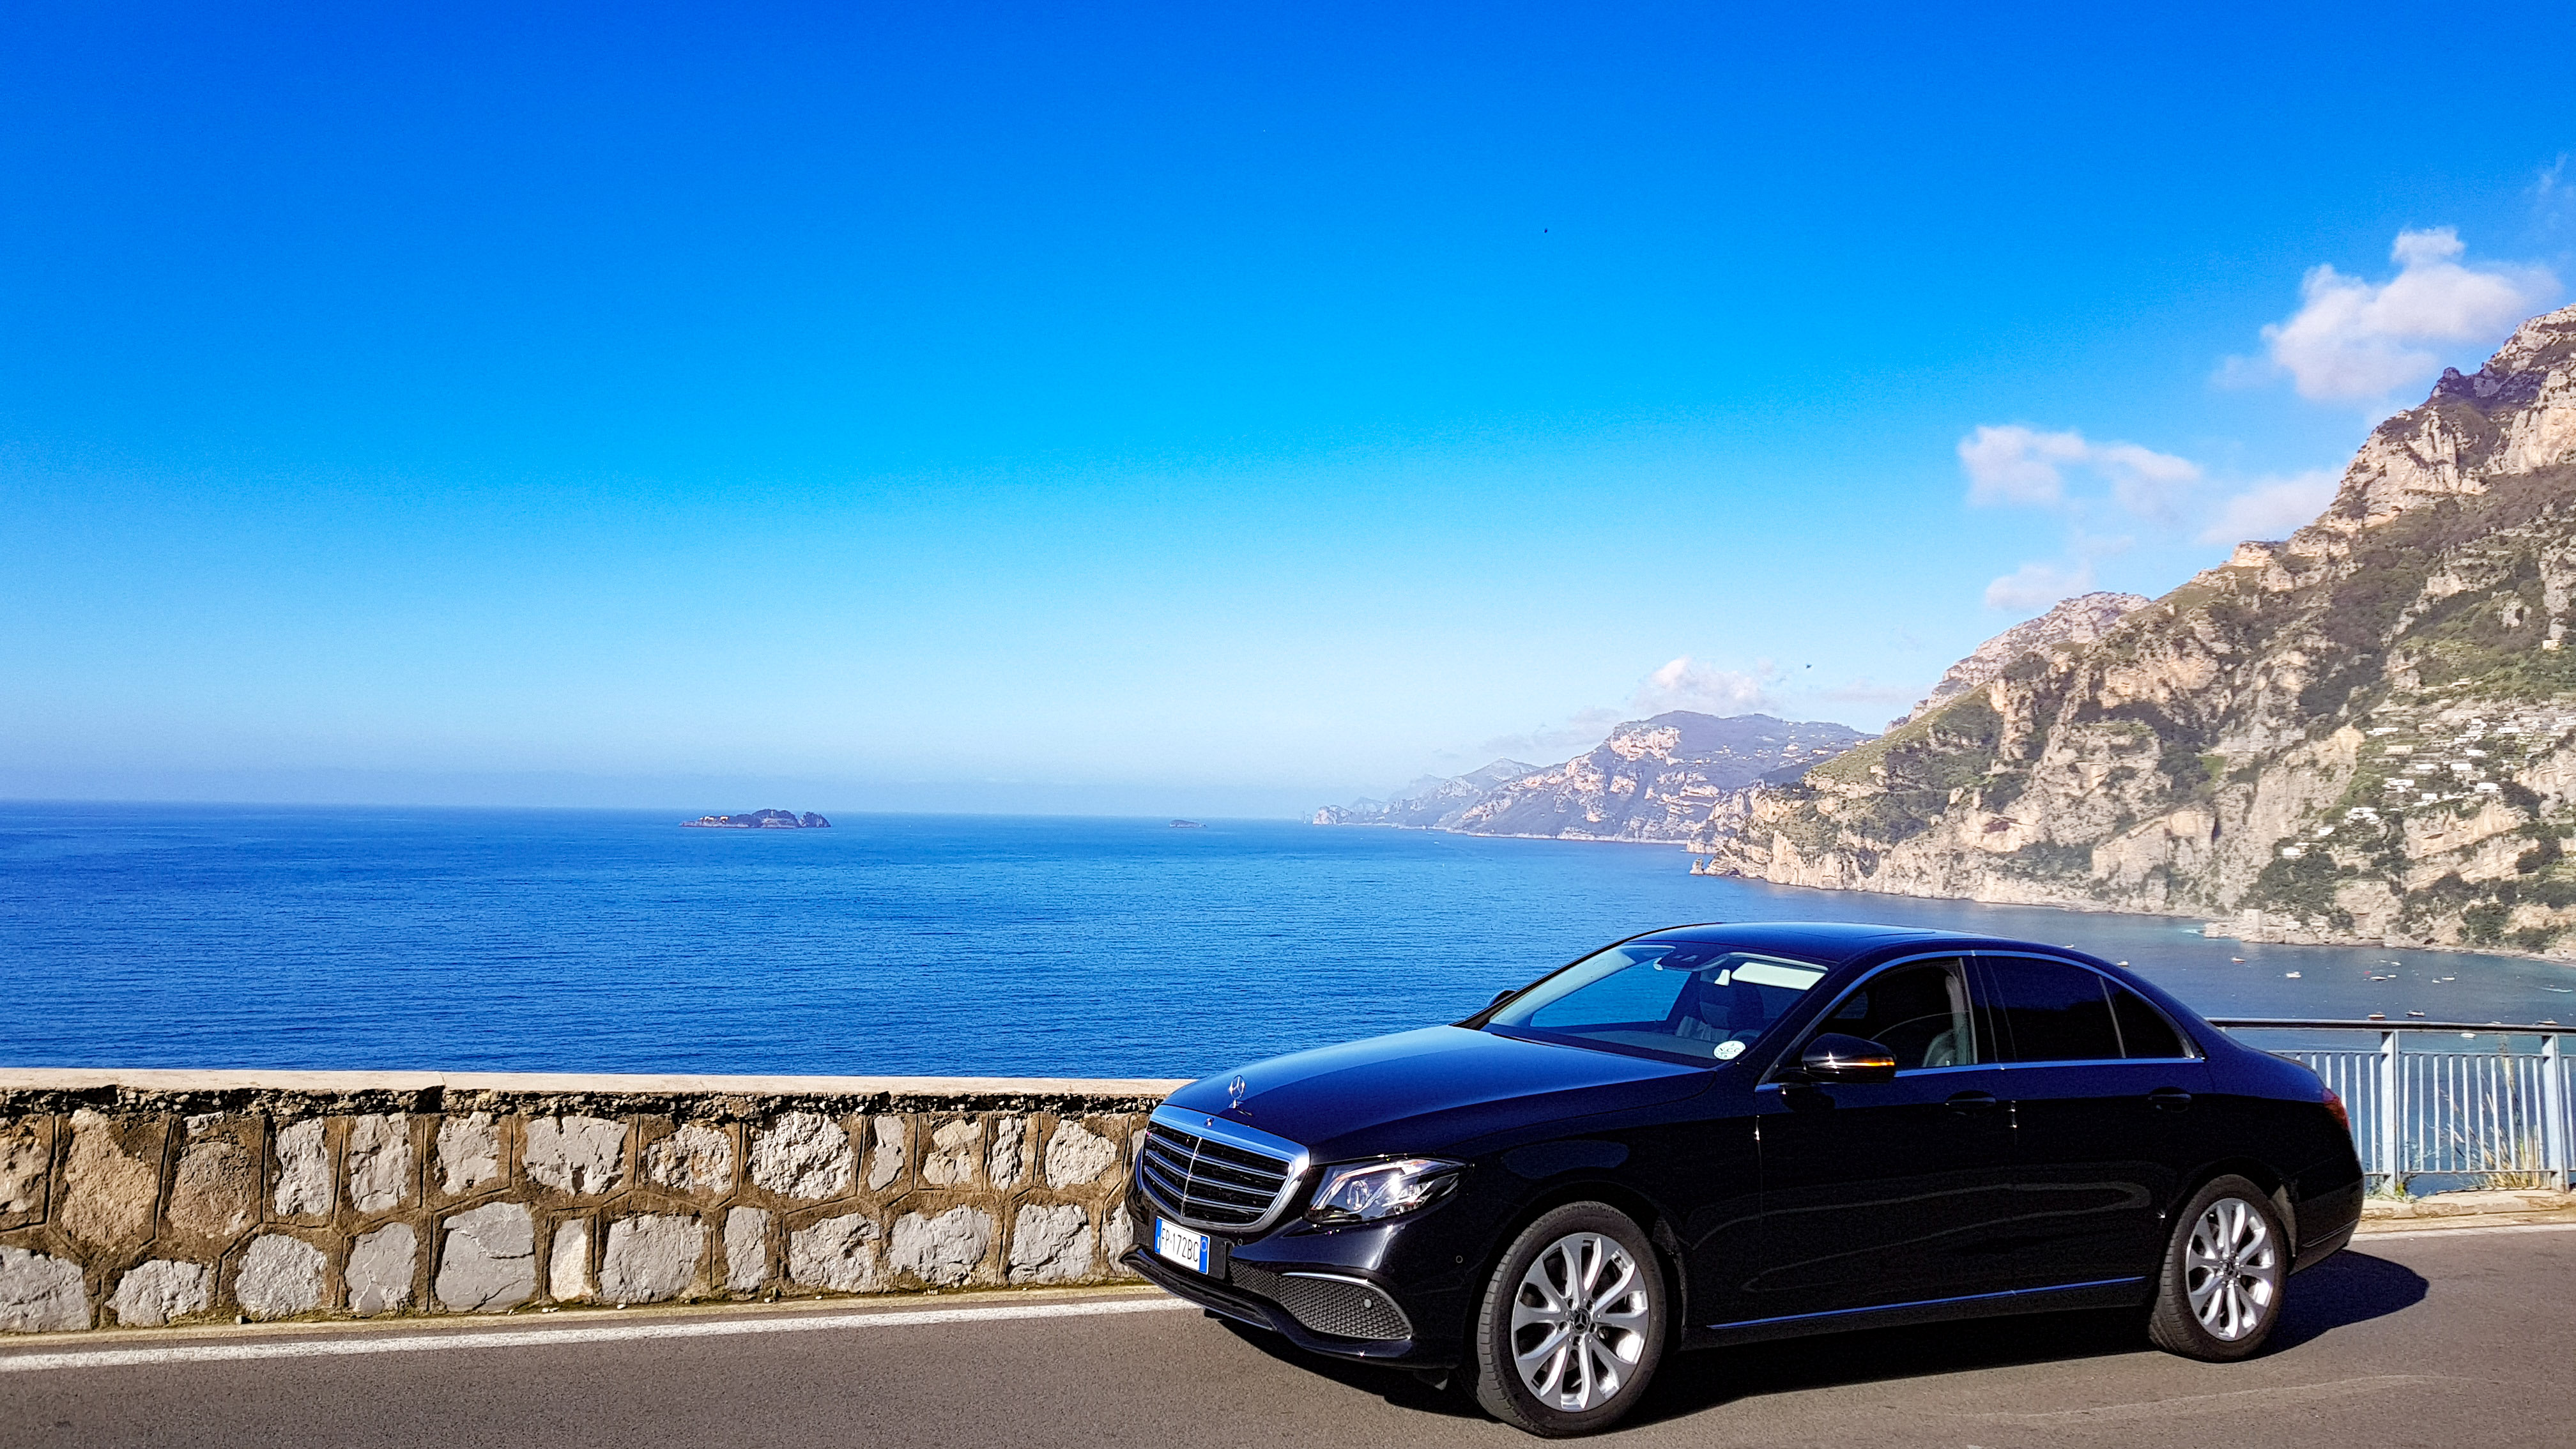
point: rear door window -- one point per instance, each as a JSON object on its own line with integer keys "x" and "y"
{"x": 2144, "y": 1031}
{"x": 2052, "y": 1011}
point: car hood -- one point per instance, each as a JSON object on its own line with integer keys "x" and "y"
{"x": 1430, "y": 1090}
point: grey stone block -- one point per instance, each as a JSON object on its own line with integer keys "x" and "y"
{"x": 651, "y": 1257}
{"x": 950, "y": 1160}
{"x": 469, "y": 1152}
{"x": 1116, "y": 1236}
{"x": 1010, "y": 1136}
{"x": 885, "y": 1152}
{"x": 695, "y": 1159}
{"x": 802, "y": 1155}
{"x": 746, "y": 1245}
{"x": 1076, "y": 1155}
{"x": 942, "y": 1250}
{"x": 161, "y": 1290}
{"x": 489, "y": 1262}
{"x": 380, "y": 1269}
{"x": 280, "y": 1277}
{"x": 1050, "y": 1244}
{"x": 39, "y": 1294}
{"x": 380, "y": 1164}
{"x": 303, "y": 1167}
{"x": 579, "y": 1155}
{"x": 837, "y": 1253}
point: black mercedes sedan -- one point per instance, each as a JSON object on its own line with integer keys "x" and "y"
{"x": 1723, "y": 1133}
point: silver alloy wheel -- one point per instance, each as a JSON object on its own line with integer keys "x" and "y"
{"x": 1579, "y": 1322}
{"x": 2231, "y": 1269}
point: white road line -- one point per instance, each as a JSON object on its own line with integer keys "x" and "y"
{"x": 2365, "y": 1239}
{"x": 551, "y": 1337}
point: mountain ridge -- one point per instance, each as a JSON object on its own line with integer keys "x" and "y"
{"x": 2079, "y": 620}
{"x": 1656, "y": 779}
{"x": 2364, "y": 732}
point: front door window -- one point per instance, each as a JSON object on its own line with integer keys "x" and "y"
{"x": 1918, "y": 1012}
{"x": 1877, "y": 1193}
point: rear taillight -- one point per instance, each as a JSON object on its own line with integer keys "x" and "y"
{"x": 2334, "y": 1104}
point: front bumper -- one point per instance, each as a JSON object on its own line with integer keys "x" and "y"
{"x": 1392, "y": 1292}
{"x": 1233, "y": 1299}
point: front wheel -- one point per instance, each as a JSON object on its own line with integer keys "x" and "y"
{"x": 2219, "y": 1294}
{"x": 1572, "y": 1324}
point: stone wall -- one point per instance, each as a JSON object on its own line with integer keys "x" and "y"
{"x": 136, "y": 1199}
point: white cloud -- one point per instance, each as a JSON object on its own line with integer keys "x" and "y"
{"x": 2147, "y": 483}
{"x": 2272, "y": 508}
{"x": 2014, "y": 464}
{"x": 2035, "y": 586}
{"x": 2011, "y": 463}
{"x": 2553, "y": 193}
{"x": 1685, "y": 683}
{"x": 2354, "y": 341}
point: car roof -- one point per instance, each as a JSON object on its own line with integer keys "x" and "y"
{"x": 1831, "y": 942}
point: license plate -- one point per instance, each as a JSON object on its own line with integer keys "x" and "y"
{"x": 1182, "y": 1246}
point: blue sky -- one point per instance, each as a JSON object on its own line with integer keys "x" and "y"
{"x": 1210, "y": 408}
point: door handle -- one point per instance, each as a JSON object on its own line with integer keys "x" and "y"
{"x": 1971, "y": 1102}
{"x": 2169, "y": 1099}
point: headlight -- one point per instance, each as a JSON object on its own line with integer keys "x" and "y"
{"x": 1363, "y": 1192}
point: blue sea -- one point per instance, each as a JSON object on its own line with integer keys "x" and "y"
{"x": 232, "y": 936}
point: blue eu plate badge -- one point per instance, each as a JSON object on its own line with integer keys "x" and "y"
{"x": 1182, "y": 1246}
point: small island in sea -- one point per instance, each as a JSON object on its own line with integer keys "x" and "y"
{"x": 1187, "y": 825}
{"x": 760, "y": 820}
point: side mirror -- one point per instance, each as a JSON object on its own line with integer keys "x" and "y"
{"x": 1835, "y": 1057}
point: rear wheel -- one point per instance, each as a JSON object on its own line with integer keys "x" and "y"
{"x": 2219, "y": 1295}
{"x": 1572, "y": 1324}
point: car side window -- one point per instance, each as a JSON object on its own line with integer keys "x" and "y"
{"x": 2144, "y": 1031}
{"x": 1919, "y": 1011}
{"x": 2052, "y": 1011}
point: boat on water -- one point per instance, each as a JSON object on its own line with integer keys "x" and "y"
{"x": 1187, "y": 825}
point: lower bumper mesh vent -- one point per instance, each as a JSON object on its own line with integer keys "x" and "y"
{"x": 1336, "y": 1306}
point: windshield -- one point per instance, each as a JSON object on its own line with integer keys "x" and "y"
{"x": 1672, "y": 998}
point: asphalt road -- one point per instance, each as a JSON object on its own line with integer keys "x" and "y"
{"x": 2451, "y": 1339}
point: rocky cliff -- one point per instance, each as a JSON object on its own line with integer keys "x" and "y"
{"x": 1656, "y": 779}
{"x": 2367, "y": 732}
{"x": 2079, "y": 620}
{"x": 1430, "y": 803}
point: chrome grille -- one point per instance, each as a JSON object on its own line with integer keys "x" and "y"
{"x": 1342, "y": 1307}
{"x": 1208, "y": 1182}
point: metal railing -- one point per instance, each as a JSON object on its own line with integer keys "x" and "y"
{"x": 2496, "y": 1116}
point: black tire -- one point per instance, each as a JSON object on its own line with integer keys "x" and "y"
{"x": 2230, "y": 1247}
{"x": 1618, "y": 1332}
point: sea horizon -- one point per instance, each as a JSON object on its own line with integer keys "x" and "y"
{"x": 423, "y": 938}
